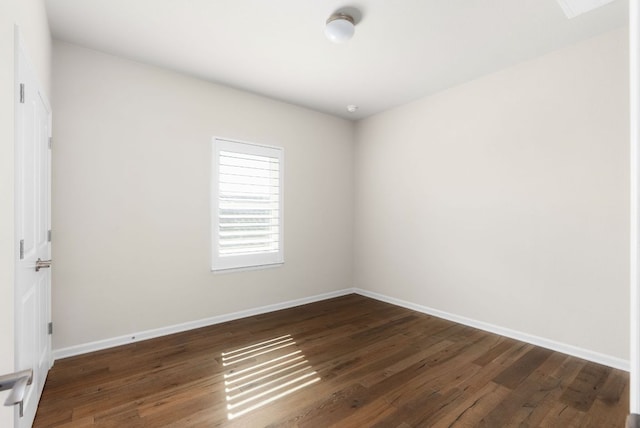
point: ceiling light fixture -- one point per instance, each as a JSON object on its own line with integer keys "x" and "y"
{"x": 352, "y": 108}
{"x": 340, "y": 27}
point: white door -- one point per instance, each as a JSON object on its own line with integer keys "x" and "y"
{"x": 33, "y": 178}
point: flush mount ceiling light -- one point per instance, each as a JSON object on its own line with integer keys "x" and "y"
{"x": 352, "y": 108}
{"x": 340, "y": 27}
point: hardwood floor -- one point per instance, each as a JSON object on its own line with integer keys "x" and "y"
{"x": 348, "y": 362}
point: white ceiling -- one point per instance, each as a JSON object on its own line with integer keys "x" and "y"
{"x": 402, "y": 49}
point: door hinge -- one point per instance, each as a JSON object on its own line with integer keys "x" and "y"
{"x": 21, "y": 249}
{"x": 22, "y": 93}
{"x": 49, "y": 235}
{"x": 50, "y": 142}
{"x": 50, "y": 328}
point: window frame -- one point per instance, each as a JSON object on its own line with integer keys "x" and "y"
{"x": 243, "y": 261}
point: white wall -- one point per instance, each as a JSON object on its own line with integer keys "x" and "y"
{"x": 30, "y": 16}
{"x": 505, "y": 200}
{"x": 131, "y": 170}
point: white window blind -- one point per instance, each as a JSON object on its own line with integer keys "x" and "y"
{"x": 247, "y": 205}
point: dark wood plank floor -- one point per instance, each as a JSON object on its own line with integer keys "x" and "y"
{"x": 348, "y": 362}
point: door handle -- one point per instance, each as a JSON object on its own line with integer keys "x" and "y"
{"x": 42, "y": 264}
{"x": 17, "y": 382}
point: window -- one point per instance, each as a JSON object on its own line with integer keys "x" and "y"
{"x": 246, "y": 205}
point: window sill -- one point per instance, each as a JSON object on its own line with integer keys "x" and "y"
{"x": 245, "y": 268}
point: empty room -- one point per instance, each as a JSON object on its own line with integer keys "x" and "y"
{"x": 247, "y": 213}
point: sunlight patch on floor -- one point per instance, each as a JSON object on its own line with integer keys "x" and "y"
{"x": 261, "y": 373}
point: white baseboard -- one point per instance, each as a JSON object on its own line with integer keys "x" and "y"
{"x": 575, "y": 351}
{"x": 163, "y": 331}
{"x": 596, "y": 357}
